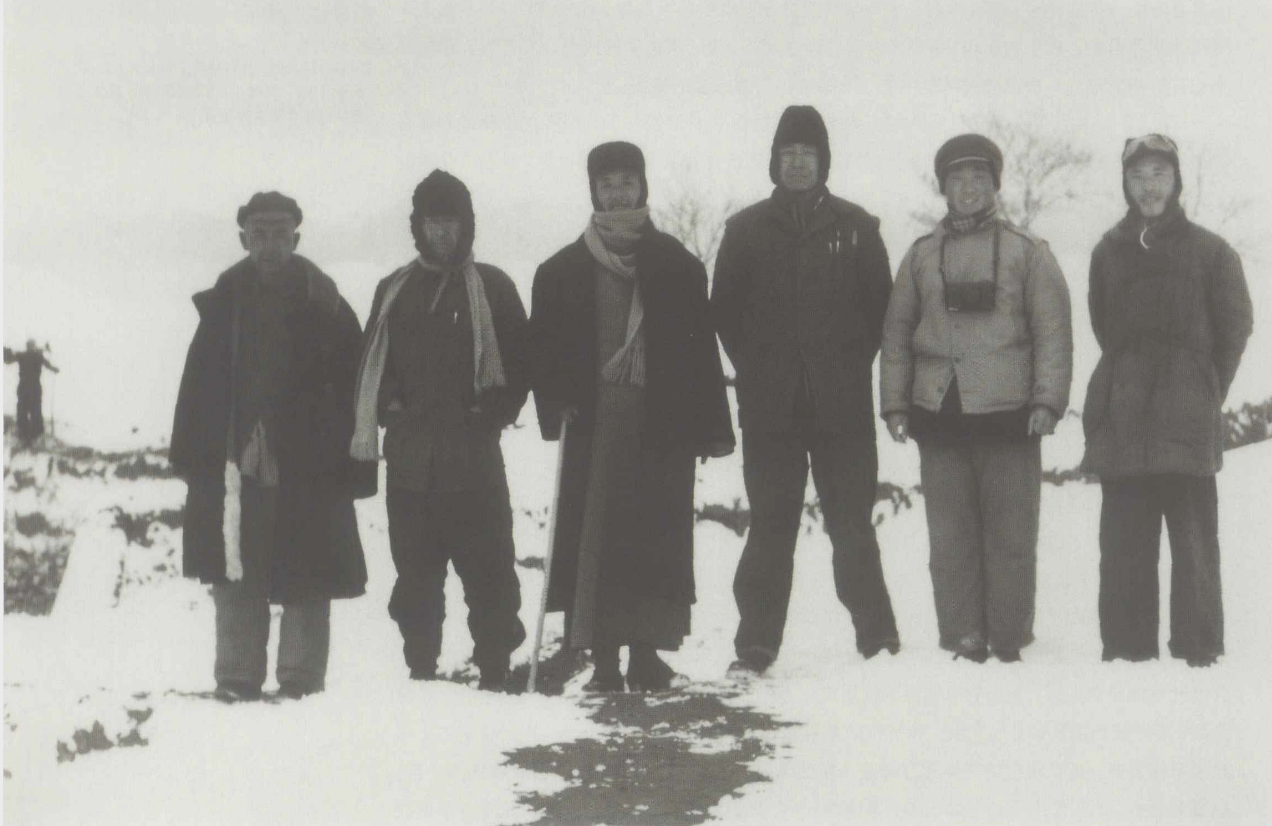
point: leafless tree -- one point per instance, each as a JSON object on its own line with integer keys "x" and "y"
{"x": 1039, "y": 172}
{"x": 693, "y": 220}
{"x": 1229, "y": 216}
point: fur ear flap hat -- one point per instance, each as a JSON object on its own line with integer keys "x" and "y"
{"x": 616, "y": 156}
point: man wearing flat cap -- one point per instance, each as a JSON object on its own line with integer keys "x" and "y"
{"x": 1171, "y": 311}
{"x": 260, "y": 434}
{"x": 801, "y": 285}
{"x": 977, "y": 359}
{"x": 623, "y": 348}
{"x": 444, "y": 369}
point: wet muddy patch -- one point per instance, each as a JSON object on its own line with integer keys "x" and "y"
{"x": 667, "y": 759}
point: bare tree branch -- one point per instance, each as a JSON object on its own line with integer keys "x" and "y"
{"x": 1039, "y": 172}
{"x": 695, "y": 222}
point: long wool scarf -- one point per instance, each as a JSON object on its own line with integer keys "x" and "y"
{"x": 611, "y": 238}
{"x": 488, "y": 368}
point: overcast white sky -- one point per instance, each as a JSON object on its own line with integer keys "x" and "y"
{"x": 133, "y": 130}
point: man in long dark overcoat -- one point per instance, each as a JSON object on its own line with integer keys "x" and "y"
{"x": 623, "y": 343}
{"x": 801, "y": 286}
{"x": 261, "y": 435}
{"x": 1172, "y": 314}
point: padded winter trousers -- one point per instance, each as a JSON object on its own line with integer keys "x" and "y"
{"x": 845, "y": 473}
{"x": 982, "y": 503}
{"x": 1130, "y": 538}
{"x": 242, "y": 633}
{"x": 473, "y": 531}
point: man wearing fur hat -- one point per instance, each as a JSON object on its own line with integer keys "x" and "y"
{"x": 623, "y": 348}
{"x": 1172, "y": 313}
{"x": 260, "y": 434}
{"x": 444, "y": 369}
{"x": 801, "y": 285}
{"x": 977, "y": 360}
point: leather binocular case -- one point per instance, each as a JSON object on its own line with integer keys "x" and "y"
{"x": 970, "y": 297}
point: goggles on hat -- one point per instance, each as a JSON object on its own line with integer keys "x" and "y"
{"x": 1149, "y": 143}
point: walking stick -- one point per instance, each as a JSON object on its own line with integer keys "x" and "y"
{"x": 547, "y": 557}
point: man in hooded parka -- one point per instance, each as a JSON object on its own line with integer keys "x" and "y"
{"x": 801, "y": 286}
{"x": 1172, "y": 313}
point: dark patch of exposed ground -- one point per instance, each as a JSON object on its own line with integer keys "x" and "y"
{"x": 668, "y": 759}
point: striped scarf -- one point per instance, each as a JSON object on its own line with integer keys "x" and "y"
{"x": 611, "y": 238}
{"x": 488, "y": 371}
{"x": 967, "y": 223}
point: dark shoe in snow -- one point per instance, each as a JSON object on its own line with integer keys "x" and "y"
{"x": 753, "y": 660}
{"x": 1008, "y": 655}
{"x": 650, "y": 673}
{"x": 1202, "y": 662}
{"x": 976, "y": 655}
{"x": 891, "y": 646}
{"x": 604, "y": 682}
{"x": 418, "y": 673}
{"x": 237, "y": 692}
{"x": 493, "y": 679}
{"x": 1143, "y": 657}
{"x": 741, "y": 669}
{"x": 296, "y": 690}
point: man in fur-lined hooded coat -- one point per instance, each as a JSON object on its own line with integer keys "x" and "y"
{"x": 623, "y": 348}
{"x": 260, "y": 434}
{"x": 1171, "y": 311}
{"x": 444, "y": 369}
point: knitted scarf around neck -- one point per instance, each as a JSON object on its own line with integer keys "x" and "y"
{"x": 611, "y": 238}
{"x": 488, "y": 369}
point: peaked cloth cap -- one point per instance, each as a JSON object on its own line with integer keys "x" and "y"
{"x": 969, "y": 147}
{"x": 616, "y": 156}
{"x": 801, "y": 124}
{"x": 269, "y": 202}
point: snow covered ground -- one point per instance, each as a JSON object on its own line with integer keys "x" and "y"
{"x": 914, "y": 738}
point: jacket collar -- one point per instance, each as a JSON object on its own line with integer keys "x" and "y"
{"x": 1131, "y": 228}
{"x": 319, "y": 288}
{"x": 782, "y": 206}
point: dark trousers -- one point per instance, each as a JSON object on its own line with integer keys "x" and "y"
{"x": 1130, "y": 536}
{"x": 30, "y": 423}
{"x": 473, "y": 531}
{"x": 845, "y": 473}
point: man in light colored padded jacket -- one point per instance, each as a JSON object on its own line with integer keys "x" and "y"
{"x": 976, "y": 363}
